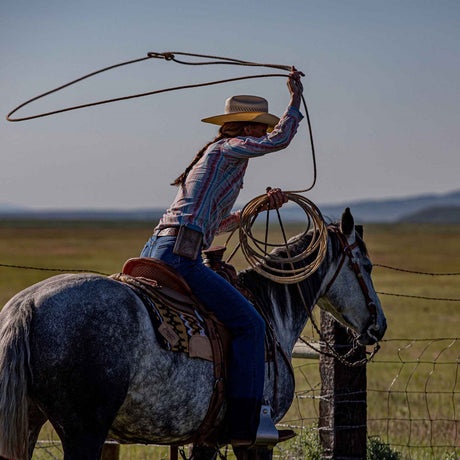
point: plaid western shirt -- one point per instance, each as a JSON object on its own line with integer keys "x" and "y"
{"x": 205, "y": 201}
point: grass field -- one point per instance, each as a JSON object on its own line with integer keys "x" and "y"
{"x": 410, "y": 382}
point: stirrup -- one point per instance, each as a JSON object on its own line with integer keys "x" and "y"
{"x": 267, "y": 434}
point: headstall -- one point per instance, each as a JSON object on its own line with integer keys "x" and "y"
{"x": 347, "y": 250}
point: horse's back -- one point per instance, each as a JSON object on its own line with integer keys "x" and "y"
{"x": 83, "y": 315}
{"x": 92, "y": 347}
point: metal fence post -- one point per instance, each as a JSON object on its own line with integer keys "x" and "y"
{"x": 343, "y": 404}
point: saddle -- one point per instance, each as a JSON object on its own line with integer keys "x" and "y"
{"x": 182, "y": 324}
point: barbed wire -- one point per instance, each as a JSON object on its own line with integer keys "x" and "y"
{"x": 420, "y": 378}
{"x": 77, "y": 270}
{"x": 442, "y": 299}
{"x": 421, "y": 407}
{"x": 405, "y": 270}
{"x": 47, "y": 269}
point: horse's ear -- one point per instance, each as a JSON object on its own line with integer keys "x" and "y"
{"x": 359, "y": 230}
{"x": 348, "y": 223}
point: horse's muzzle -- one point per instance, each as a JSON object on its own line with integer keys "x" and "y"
{"x": 373, "y": 334}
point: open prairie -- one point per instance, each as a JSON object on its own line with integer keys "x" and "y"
{"x": 427, "y": 248}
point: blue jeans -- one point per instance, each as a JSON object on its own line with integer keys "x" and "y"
{"x": 247, "y": 328}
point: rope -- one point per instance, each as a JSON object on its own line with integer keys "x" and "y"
{"x": 171, "y": 56}
{"x": 123, "y": 98}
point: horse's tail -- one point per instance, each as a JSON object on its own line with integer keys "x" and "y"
{"x": 15, "y": 371}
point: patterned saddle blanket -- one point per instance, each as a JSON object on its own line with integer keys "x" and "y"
{"x": 180, "y": 323}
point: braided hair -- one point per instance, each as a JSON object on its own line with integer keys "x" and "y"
{"x": 227, "y": 130}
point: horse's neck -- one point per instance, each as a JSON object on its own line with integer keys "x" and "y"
{"x": 287, "y": 306}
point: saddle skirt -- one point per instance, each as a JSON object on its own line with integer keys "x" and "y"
{"x": 180, "y": 322}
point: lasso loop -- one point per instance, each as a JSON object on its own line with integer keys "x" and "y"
{"x": 168, "y": 56}
{"x": 171, "y": 56}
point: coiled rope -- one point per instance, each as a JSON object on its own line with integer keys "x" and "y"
{"x": 276, "y": 268}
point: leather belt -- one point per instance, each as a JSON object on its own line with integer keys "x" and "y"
{"x": 168, "y": 231}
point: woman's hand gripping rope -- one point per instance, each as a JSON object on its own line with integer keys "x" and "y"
{"x": 295, "y": 87}
{"x": 276, "y": 199}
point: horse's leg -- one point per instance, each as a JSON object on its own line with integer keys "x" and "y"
{"x": 210, "y": 453}
{"x": 200, "y": 452}
{"x": 87, "y": 447}
{"x": 36, "y": 421}
{"x": 82, "y": 399}
{"x": 82, "y": 439}
{"x": 82, "y": 419}
{"x": 253, "y": 454}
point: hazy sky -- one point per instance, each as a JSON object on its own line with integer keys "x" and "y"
{"x": 382, "y": 86}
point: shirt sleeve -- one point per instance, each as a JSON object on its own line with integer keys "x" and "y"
{"x": 278, "y": 139}
{"x": 229, "y": 223}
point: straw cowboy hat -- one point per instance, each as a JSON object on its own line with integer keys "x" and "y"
{"x": 245, "y": 108}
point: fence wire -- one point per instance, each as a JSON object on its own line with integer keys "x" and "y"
{"x": 414, "y": 396}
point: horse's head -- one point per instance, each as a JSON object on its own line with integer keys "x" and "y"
{"x": 349, "y": 294}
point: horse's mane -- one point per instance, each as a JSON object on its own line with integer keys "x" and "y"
{"x": 268, "y": 292}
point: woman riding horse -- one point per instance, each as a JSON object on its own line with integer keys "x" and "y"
{"x": 208, "y": 189}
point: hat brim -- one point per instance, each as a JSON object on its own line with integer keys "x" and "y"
{"x": 253, "y": 117}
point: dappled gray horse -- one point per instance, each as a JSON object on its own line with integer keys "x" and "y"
{"x": 80, "y": 351}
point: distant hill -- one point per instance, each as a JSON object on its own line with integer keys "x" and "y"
{"x": 8, "y": 207}
{"x": 392, "y": 210}
{"x": 431, "y": 208}
{"x": 436, "y": 215}
{"x": 151, "y": 215}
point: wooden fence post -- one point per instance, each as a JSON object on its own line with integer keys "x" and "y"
{"x": 110, "y": 451}
{"x": 343, "y": 403}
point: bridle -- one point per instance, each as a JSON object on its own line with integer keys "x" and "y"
{"x": 347, "y": 251}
